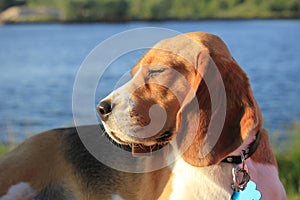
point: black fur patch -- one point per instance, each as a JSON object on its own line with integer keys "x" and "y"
{"x": 57, "y": 191}
{"x": 95, "y": 175}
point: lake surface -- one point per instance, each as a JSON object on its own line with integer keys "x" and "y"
{"x": 39, "y": 63}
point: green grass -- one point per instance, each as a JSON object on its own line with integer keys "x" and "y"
{"x": 288, "y": 157}
{"x": 293, "y": 197}
{"x": 3, "y": 149}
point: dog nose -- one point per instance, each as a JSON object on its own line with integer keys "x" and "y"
{"x": 104, "y": 109}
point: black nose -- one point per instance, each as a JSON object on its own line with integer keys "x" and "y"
{"x": 104, "y": 109}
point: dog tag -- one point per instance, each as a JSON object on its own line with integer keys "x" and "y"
{"x": 249, "y": 193}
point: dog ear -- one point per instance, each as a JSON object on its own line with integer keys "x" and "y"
{"x": 219, "y": 112}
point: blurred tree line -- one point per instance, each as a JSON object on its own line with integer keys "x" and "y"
{"x": 123, "y": 10}
{"x": 4, "y": 4}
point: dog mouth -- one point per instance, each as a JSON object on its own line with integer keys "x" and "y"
{"x": 138, "y": 147}
{"x": 161, "y": 141}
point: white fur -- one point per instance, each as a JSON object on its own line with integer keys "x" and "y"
{"x": 116, "y": 197}
{"x": 214, "y": 182}
{"x": 194, "y": 183}
{"x": 20, "y": 191}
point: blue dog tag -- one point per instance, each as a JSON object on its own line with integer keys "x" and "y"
{"x": 249, "y": 193}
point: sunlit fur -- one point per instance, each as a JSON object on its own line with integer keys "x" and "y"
{"x": 57, "y": 163}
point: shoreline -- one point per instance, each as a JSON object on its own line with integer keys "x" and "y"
{"x": 140, "y": 20}
{"x": 30, "y": 15}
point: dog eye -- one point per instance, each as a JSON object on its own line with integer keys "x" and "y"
{"x": 155, "y": 72}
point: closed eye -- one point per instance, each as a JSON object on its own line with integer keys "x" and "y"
{"x": 154, "y": 72}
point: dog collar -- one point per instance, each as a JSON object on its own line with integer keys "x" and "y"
{"x": 247, "y": 153}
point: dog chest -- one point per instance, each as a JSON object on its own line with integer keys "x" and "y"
{"x": 201, "y": 183}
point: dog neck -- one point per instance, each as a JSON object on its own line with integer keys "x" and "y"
{"x": 195, "y": 182}
{"x": 247, "y": 149}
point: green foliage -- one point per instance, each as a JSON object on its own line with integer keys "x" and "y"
{"x": 91, "y": 10}
{"x": 121, "y": 10}
{"x": 8, "y": 3}
{"x": 3, "y": 149}
{"x": 288, "y": 157}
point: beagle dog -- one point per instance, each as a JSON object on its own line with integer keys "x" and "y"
{"x": 189, "y": 105}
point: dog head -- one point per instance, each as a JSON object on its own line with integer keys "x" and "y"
{"x": 179, "y": 88}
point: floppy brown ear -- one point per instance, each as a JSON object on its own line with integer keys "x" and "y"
{"x": 219, "y": 112}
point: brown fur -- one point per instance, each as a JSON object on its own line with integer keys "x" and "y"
{"x": 264, "y": 149}
{"x": 243, "y": 115}
{"x": 39, "y": 156}
{"x": 48, "y": 160}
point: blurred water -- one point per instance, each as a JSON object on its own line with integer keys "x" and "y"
{"x": 38, "y": 65}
